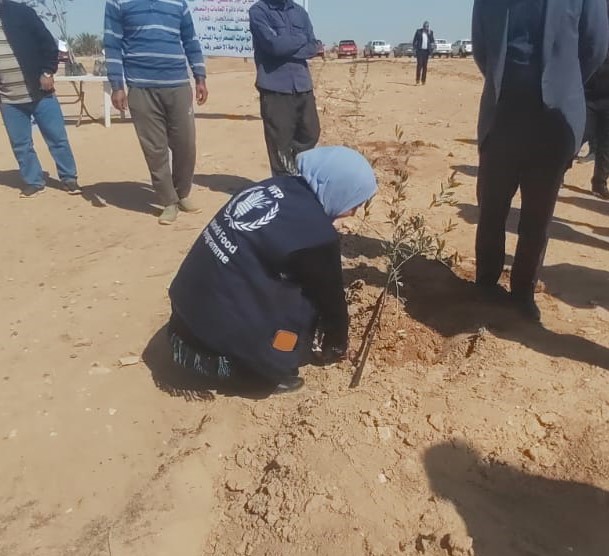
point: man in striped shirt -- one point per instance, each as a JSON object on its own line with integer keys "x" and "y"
{"x": 149, "y": 46}
{"x": 28, "y": 60}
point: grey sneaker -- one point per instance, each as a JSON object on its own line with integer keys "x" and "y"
{"x": 71, "y": 186}
{"x": 169, "y": 215}
{"x": 188, "y": 205}
{"x": 31, "y": 191}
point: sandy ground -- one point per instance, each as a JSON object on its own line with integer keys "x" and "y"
{"x": 459, "y": 441}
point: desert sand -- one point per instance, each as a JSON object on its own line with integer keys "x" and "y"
{"x": 472, "y": 432}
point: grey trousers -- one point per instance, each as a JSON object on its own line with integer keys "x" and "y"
{"x": 164, "y": 120}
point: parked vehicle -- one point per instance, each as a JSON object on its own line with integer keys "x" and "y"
{"x": 443, "y": 48}
{"x": 404, "y": 49}
{"x": 321, "y": 50}
{"x": 347, "y": 49}
{"x": 377, "y": 48}
{"x": 462, "y": 48}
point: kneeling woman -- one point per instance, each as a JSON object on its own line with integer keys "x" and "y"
{"x": 265, "y": 275}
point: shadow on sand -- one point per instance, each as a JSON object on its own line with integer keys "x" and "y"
{"x": 509, "y": 512}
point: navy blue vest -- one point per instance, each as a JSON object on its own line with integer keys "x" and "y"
{"x": 232, "y": 290}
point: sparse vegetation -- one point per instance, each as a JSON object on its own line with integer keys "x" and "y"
{"x": 410, "y": 237}
{"x": 86, "y": 44}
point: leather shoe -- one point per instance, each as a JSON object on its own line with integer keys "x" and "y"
{"x": 601, "y": 191}
{"x": 527, "y": 307}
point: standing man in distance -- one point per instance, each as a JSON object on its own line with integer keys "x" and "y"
{"x": 533, "y": 113}
{"x": 28, "y": 62}
{"x": 423, "y": 44}
{"x": 283, "y": 42}
{"x": 597, "y": 97}
{"x": 152, "y": 43}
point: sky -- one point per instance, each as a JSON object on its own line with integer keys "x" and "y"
{"x": 362, "y": 20}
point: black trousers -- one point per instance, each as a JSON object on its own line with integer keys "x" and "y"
{"x": 291, "y": 126}
{"x": 598, "y": 130}
{"x": 422, "y": 61}
{"x": 529, "y": 147}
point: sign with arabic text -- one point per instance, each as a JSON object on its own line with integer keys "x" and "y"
{"x": 223, "y": 27}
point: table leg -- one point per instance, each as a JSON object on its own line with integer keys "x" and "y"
{"x": 108, "y": 104}
{"x": 84, "y": 109}
{"x": 80, "y": 95}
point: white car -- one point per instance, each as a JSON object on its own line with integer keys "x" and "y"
{"x": 443, "y": 48}
{"x": 462, "y": 48}
{"x": 377, "y": 48}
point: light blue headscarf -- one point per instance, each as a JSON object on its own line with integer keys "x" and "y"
{"x": 341, "y": 178}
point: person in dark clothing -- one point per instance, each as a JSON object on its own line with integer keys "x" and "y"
{"x": 597, "y": 100}
{"x": 28, "y": 62}
{"x": 532, "y": 120}
{"x": 423, "y": 44}
{"x": 284, "y": 40}
{"x": 265, "y": 277}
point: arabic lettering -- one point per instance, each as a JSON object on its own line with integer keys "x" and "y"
{"x": 223, "y": 26}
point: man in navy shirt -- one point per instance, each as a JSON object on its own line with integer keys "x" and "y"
{"x": 283, "y": 42}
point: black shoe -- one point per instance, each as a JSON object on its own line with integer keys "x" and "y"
{"x": 289, "y": 385}
{"x": 71, "y": 186}
{"x": 527, "y": 307}
{"x": 31, "y": 191}
{"x": 601, "y": 191}
{"x": 491, "y": 292}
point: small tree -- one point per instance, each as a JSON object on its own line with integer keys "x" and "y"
{"x": 53, "y": 11}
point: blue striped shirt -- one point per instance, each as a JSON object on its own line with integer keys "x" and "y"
{"x": 151, "y": 43}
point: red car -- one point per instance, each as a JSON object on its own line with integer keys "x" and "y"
{"x": 347, "y": 49}
{"x": 321, "y": 50}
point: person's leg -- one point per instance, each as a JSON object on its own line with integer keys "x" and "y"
{"x": 542, "y": 178}
{"x": 498, "y": 177}
{"x": 49, "y": 117}
{"x": 150, "y": 122}
{"x": 419, "y": 65}
{"x": 181, "y": 134}
{"x": 591, "y": 123}
{"x": 18, "y": 123}
{"x": 424, "y": 62}
{"x": 601, "y": 163}
{"x": 207, "y": 365}
{"x": 308, "y": 129}
{"x": 280, "y": 117}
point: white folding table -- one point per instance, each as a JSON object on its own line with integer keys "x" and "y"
{"x": 78, "y": 82}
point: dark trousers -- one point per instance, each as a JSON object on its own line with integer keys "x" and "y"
{"x": 422, "y": 61}
{"x": 590, "y": 134}
{"x": 164, "y": 121}
{"x": 531, "y": 148}
{"x": 291, "y": 126}
{"x": 598, "y": 129}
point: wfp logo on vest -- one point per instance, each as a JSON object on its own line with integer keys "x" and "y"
{"x": 251, "y": 210}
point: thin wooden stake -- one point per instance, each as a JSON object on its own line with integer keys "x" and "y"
{"x": 368, "y": 339}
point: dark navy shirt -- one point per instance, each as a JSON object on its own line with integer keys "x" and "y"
{"x": 283, "y": 42}
{"x": 525, "y": 31}
{"x": 523, "y": 64}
